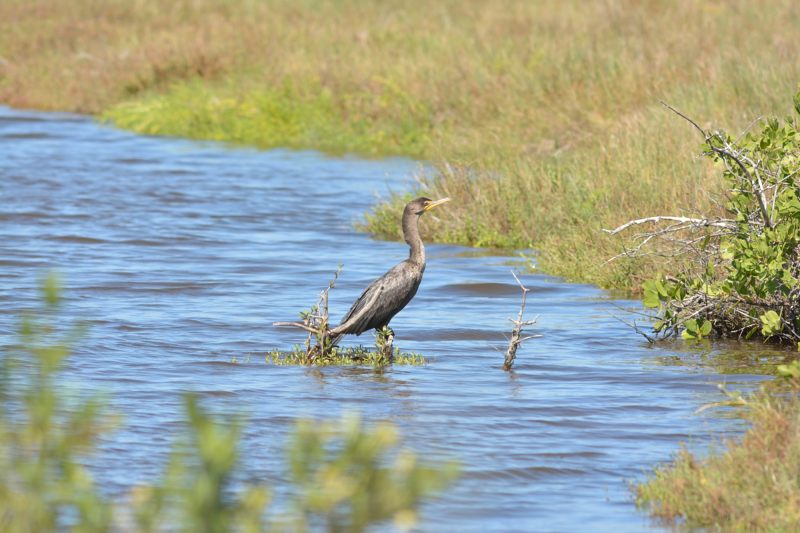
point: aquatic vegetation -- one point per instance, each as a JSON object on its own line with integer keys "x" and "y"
{"x": 355, "y": 356}
{"x": 541, "y": 117}
{"x": 751, "y": 485}
{"x": 739, "y": 269}
{"x": 321, "y": 347}
{"x": 345, "y": 473}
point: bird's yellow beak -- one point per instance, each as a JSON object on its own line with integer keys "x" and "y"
{"x": 433, "y": 204}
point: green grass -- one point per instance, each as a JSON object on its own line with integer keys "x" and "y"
{"x": 287, "y": 116}
{"x": 542, "y": 117}
{"x": 753, "y": 484}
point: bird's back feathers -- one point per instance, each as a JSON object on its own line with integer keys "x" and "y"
{"x": 385, "y": 296}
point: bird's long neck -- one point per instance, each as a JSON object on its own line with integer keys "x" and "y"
{"x": 411, "y": 233}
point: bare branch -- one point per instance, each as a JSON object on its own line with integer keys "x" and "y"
{"x": 637, "y": 329}
{"x": 301, "y": 325}
{"x": 519, "y": 324}
{"x": 729, "y": 152}
{"x": 684, "y": 117}
{"x": 315, "y": 322}
{"x": 694, "y": 222}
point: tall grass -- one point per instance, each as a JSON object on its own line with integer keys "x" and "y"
{"x": 751, "y": 485}
{"x": 547, "y": 111}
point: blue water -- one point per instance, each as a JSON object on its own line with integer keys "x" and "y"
{"x": 181, "y": 255}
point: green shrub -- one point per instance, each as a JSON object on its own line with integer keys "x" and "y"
{"x": 740, "y": 268}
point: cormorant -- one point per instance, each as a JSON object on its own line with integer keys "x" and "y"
{"x": 390, "y": 293}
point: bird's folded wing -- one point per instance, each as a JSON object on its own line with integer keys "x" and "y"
{"x": 360, "y": 309}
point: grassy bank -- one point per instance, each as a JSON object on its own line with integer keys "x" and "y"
{"x": 751, "y": 485}
{"x": 547, "y": 112}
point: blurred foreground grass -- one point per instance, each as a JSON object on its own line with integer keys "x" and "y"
{"x": 542, "y": 117}
{"x": 345, "y": 474}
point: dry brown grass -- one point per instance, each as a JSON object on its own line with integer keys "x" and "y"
{"x": 753, "y": 485}
{"x": 552, "y": 105}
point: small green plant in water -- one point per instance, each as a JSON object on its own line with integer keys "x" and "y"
{"x": 319, "y": 349}
{"x": 350, "y": 356}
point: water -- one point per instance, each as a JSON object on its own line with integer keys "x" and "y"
{"x": 182, "y": 254}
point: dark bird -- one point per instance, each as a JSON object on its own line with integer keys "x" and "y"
{"x": 390, "y": 293}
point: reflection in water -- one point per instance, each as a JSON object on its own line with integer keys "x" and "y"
{"x": 726, "y": 356}
{"x": 182, "y": 254}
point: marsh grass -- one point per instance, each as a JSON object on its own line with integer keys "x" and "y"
{"x": 750, "y": 485}
{"x": 546, "y": 111}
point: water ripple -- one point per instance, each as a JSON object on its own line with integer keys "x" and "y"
{"x": 182, "y": 254}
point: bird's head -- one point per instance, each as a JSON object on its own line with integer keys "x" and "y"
{"x": 422, "y": 205}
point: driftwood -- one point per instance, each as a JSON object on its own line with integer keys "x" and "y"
{"x": 519, "y": 324}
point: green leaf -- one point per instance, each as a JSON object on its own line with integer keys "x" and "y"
{"x": 651, "y": 299}
{"x": 797, "y": 103}
{"x": 662, "y": 290}
{"x": 790, "y": 371}
{"x": 691, "y": 330}
{"x": 52, "y": 289}
{"x": 771, "y": 323}
{"x": 696, "y": 329}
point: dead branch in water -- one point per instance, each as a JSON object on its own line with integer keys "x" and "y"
{"x": 519, "y": 324}
{"x": 385, "y": 343}
{"x": 315, "y": 322}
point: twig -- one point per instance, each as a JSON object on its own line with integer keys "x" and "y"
{"x": 519, "y": 324}
{"x": 684, "y": 117}
{"x": 301, "y": 325}
{"x": 316, "y": 322}
{"x": 727, "y": 151}
{"x": 637, "y": 329}
{"x": 694, "y": 222}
